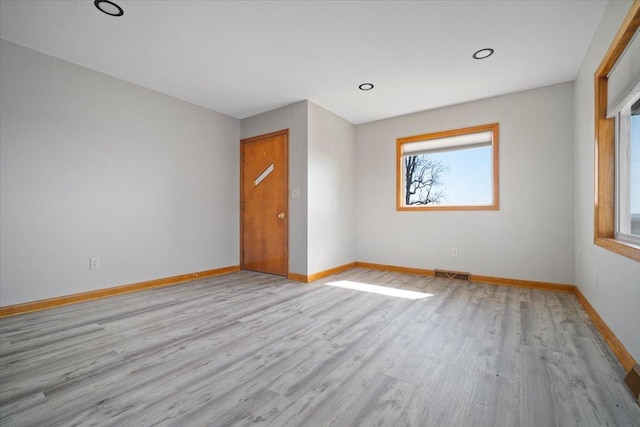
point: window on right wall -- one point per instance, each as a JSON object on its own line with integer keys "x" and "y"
{"x": 628, "y": 172}
{"x": 617, "y": 137}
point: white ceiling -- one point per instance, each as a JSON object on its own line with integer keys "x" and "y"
{"x": 245, "y": 57}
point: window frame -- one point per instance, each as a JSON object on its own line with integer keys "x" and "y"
{"x": 605, "y": 145}
{"x": 495, "y": 205}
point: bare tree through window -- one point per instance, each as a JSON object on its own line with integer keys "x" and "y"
{"x": 424, "y": 180}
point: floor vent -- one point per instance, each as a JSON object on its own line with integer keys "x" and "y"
{"x": 452, "y": 274}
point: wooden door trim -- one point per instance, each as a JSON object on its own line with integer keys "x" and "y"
{"x": 285, "y": 133}
{"x": 267, "y": 135}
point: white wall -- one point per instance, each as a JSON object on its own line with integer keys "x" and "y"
{"x": 331, "y": 189}
{"x": 292, "y": 117}
{"x": 92, "y": 166}
{"x": 530, "y": 237}
{"x": 616, "y": 296}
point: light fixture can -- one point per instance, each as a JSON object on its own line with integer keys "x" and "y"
{"x": 108, "y": 7}
{"x": 483, "y": 53}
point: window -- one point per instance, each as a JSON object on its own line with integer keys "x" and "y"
{"x": 628, "y": 173}
{"x": 616, "y": 159}
{"x": 451, "y": 170}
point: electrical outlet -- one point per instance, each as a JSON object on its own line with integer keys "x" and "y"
{"x": 94, "y": 263}
{"x": 454, "y": 252}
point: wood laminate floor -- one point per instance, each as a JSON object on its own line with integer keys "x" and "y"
{"x": 253, "y": 349}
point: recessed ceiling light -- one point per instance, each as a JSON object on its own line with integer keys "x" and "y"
{"x": 108, "y": 7}
{"x": 366, "y": 86}
{"x": 483, "y": 53}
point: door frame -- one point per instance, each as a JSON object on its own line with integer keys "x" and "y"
{"x": 244, "y": 141}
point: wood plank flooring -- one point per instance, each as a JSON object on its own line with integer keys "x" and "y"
{"x": 254, "y": 349}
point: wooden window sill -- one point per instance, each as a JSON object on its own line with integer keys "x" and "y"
{"x": 621, "y": 247}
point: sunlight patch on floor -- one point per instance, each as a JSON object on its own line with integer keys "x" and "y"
{"x": 381, "y": 290}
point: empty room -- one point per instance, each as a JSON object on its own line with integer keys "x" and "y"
{"x": 319, "y": 213}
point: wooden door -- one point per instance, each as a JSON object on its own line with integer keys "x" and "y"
{"x": 264, "y": 211}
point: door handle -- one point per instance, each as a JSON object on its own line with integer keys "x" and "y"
{"x": 281, "y": 215}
